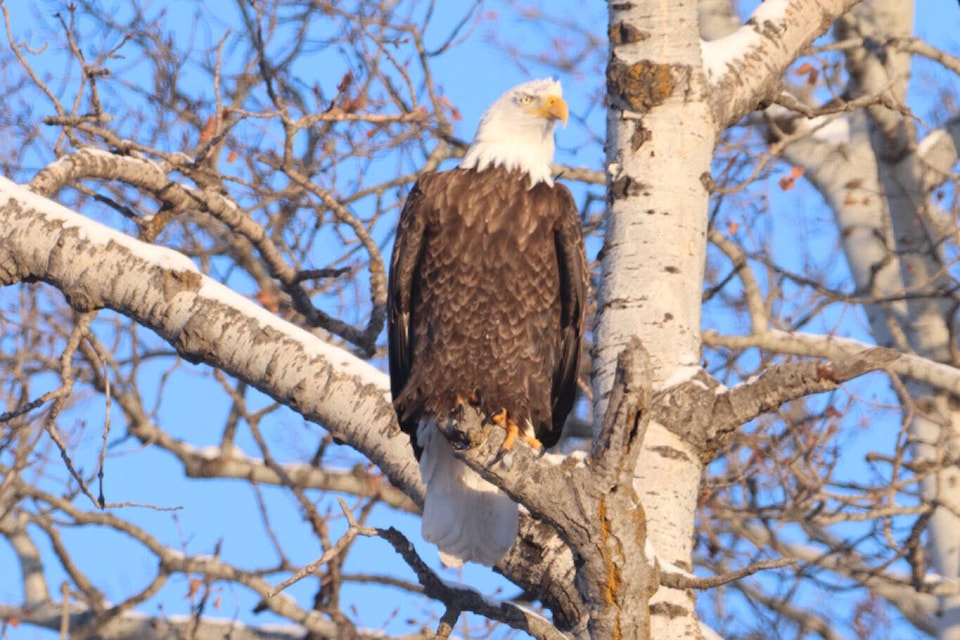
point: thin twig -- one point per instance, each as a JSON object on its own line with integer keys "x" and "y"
{"x": 676, "y": 580}
{"x": 352, "y": 532}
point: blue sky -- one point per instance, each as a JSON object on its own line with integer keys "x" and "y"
{"x": 472, "y": 75}
{"x": 193, "y": 408}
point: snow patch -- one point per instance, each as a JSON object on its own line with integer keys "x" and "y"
{"x": 312, "y": 345}
{"x": 578, "y": 458}
{"x": 94, "y": 231}
{"x": 211, "y": 452}
{"x": 164, "y": 258}
{"x": 719, "y": 56}
{"x": 723, "y": 53}
{"x": 834, "y": 130}
{"x": 680, "y": 375}
{"x": 932, "y": 139}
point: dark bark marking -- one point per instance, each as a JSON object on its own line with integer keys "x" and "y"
{"x": 670, "y": 452}
{"x": 626, "y": 187}
{"x": 670, "y": 610}
{"x": 623, "y": 33}
{"x": 639, "y": 136}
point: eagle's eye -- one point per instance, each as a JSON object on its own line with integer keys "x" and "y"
{"x": 525, "y": 99}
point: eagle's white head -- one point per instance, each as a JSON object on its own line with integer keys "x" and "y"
{"x": 516, "y": 132}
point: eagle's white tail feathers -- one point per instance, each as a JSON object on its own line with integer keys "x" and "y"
{"x": 468, "y": 518}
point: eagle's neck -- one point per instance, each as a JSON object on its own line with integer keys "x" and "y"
{"x": 528, "y": 150}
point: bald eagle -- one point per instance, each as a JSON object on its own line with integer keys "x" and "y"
{"x": 487, "y": 291}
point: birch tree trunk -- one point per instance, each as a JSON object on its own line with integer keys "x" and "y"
{"x": 664, "y": 119}
{"x": 660, "y": 138}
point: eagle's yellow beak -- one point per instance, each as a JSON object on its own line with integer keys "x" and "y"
{"x": 555, "y": 108}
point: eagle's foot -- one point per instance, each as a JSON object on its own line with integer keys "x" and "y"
{"x": 461, "y": 439}
{"x": 461, "y": 403}
{"x": 503, "y": 420}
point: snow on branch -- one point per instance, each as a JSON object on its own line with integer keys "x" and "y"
{"x": 152, "y": 177}
{"x": 98, "y": 267}
{"x": 747, "y": 65}
{"x": 940, "y": 376}
{"x": 705, "y": 413}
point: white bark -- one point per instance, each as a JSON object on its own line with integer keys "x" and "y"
{"x": 653, "y": 260}
{"x": 96, "y": 267}
{"x": 663, "y": 123}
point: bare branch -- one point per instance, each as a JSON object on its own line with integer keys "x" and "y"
{"x": 678, "y": 580}
{"x": 459, "y": 598}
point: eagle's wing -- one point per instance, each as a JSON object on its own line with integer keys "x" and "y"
{"x": 407, "y": 251}
{"x": 574, "y": 275}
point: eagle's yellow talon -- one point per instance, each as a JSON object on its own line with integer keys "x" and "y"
{"x": 513, "y": 431}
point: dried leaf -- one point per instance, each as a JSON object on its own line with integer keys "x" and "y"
{"x": 194, "y": 587}
{"x": 807, "y": 69}
{"x": 208, "y": 130}
{"x": 345, "y": 82}
{"x": 454, "y": 112}
{"x": 268, "y": 301}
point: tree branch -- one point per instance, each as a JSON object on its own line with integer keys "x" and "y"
{"x": 907, "y": 365}
{"x": 461, "y": 598}
{"x": 683, "y": 580}
{"x": 746, "y": 66}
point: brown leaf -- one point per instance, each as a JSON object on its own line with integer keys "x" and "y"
{"x": 352, "y": 105}
{"x": 807, "y": 69}
{"x": 345, "y": 82}
{"x": 268, "y": 301}
{"x": 194, "y": 587}
{"x": 208, "y": 130}
{"x": 454, "y": 112}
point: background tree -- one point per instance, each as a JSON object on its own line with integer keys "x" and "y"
{"x": 771, "y": 207}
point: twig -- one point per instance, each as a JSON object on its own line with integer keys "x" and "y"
{"x": 676, "y": 580}
{"x": 352, "y": 532}
{"x": 64, "y": 610}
